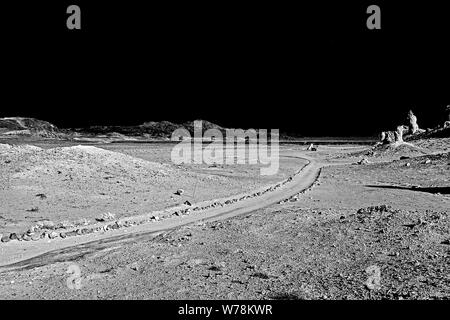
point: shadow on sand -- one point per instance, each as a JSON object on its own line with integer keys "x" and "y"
{"x": 441, "y": 190}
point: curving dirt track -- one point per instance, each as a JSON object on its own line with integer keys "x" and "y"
{"x": 26, "y": 255}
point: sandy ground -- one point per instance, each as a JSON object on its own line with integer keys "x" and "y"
{"x": 77, "y": 184}
{"x": 388, "y": 218}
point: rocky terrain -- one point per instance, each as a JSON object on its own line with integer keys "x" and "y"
{"x": 326, "y": 244}
{"x": 28, "y": 127}
{"x": 20, "y": 130}
{"x": 352, "y": 223}
{"x": 14, "y": 127}
{"x": 74, "y": 185}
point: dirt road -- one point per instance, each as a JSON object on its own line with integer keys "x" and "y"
{"x": 24, "y": 255}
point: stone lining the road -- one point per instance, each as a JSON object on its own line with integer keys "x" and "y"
{"x": 52, "y": 230}
{"x": 296, "y": 197}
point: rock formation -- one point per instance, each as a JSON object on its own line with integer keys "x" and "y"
{"x": 387, "y": 137}
{"x": 398, "y": 135}
{"x": 447, "y": 109}
{"x": 413, "y": 126}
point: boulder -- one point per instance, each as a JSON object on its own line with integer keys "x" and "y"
{"x": 179, "y": 192}
{"x": 47, "y": 224}
{"x": 106, "y": 217}
{"x": 35, "y": 236}
{"x": 13, "y": 236}
{"x": 53, "y": 235}
{"x": 363, "y": 161}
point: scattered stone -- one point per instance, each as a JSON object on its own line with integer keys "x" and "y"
{"x": 374, "y": 209}
{"x": 6, "y": 238}
{"x": 53, "y": 235}
{"x": 407, "y": 164}
{"x": 35, "y": 236}
{"x": 71, "y": 233}
{"x": 48, "y": 225}
{"x": 63, "y": 235}
{"x": 179, "y": 192}
{"x": 87, "y": 230}
{"x": 363, "y": 161}
{"x": 65, "y": 225}
{"x": 134, "y": 266}
{"x": 404, "y": 157}
{"x": 187, "y": 203}
{"x": 41, "y": 196}
{"x": 427, "y": 161}
{"x": 81, "y": 222}
{"x": 13, "y": 236}
{"x": 33, "y": 229}
{"x": 106, "y": 217}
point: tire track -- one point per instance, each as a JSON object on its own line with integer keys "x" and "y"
{"x": 78, "y": 247}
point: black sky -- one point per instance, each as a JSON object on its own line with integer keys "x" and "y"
{"x": 310, "y": 69}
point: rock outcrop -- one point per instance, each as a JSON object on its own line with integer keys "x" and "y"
{"x": 28, "y": 127}
{"x": 387, "y": 137}
{"x": 413, "y": 126}
{"x": 398, "y": 135}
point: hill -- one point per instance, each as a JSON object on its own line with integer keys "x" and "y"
{"x": 28, "y": 127}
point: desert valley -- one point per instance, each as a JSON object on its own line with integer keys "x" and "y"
{"x": 106, "y": 210}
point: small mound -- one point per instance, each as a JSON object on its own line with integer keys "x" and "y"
{"x": 33, "y": 162}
